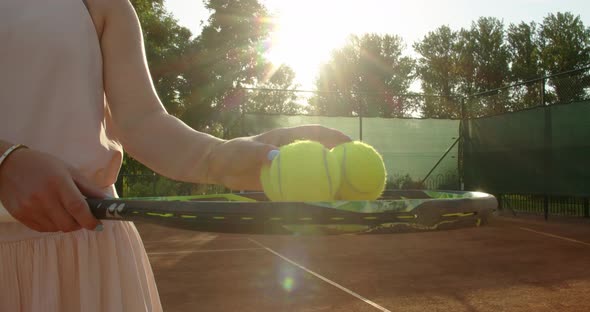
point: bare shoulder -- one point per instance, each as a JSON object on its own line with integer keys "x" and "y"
{"x": 104, "y": 10}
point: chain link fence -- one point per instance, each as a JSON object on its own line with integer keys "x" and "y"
{"x": 562, "y": 88}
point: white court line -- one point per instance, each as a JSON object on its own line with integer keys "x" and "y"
{"x": 199, "y": 251}
{"x": 191, "y": 240}
{"x": 555, "y": 236}
{"x": 346, "y": 290}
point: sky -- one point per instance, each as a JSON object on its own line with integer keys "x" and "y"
{"x": 304, "y": 21}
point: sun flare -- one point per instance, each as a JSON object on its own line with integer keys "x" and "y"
{"x": 305, "y": 34}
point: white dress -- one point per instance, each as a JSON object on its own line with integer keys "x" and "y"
{"x": 52, "y": 99}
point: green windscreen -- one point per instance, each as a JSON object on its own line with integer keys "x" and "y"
{"x": 570, "y": 140}
{"x": 536, "y": 151}
{"x": 413, "y": 147}
{"x": 410, "y": 148}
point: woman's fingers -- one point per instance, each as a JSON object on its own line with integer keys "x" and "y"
{"x": 236, "y": 163}
{"x": 283, "y": 136}
{"x": 327, "y": 136}
{"x": 41, "y": 224}
{"x": 74, "y": 203}
{"x": 63, "y": 220}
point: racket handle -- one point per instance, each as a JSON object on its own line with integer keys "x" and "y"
{"x": 107, "y": 209}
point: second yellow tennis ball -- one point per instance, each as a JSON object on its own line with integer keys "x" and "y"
{"x": 304, "y": 171}
{"x": 363, "y": 172}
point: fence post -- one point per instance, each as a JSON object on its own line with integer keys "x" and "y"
{"x": 546, "y": 206}
{"x": 360, "y": 125}
{"x": 543, "y": 91}
{"x": 242, "y": 121}
{"x": 462, "y": 132}
{"x": 548, "y": 146}
{"x": 587, "y": 207}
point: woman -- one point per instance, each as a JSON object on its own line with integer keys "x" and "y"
{"x": 74, "y": 91}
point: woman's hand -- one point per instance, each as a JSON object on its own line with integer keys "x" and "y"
{"x": 236, "y": 163}
{"x": 44, "y": 194}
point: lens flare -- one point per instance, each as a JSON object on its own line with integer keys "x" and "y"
{"x": 288, "y": 284}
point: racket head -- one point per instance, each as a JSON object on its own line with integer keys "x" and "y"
{"x": 397, "y": 211}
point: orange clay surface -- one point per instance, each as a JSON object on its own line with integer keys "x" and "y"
{"x": 510, "y": 264}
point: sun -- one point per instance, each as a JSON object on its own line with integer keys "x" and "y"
{"x": 305, "y": 34}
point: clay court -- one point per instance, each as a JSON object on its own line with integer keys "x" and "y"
{"x": 510, "y": 264}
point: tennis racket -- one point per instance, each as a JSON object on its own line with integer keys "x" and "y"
{"x": 396, "y": 211}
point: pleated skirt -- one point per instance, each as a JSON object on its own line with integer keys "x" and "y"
{"x": 78, "y": 271}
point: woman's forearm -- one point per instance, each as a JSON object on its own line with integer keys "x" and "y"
{"x": 168, "y": 146}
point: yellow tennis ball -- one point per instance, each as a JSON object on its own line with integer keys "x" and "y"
{"x": 304, "y": 171}
{"x": 267, "y": 186}
{"x": 363, "y": 172}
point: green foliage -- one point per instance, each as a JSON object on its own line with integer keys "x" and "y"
{"x": 270, "y": 98}
{"x": 165, "y": 45}
{"x": 523, "y": 43}
{"x": 458, "y": 63}
{"x": 367, "y": 76}
{"x": 483, "y": 63}
{"x": 491, "y": 54}
{"x": 565, "y": 45}
{"x": 227, "y": 55}
{"x": 488, "y": 56}
{"x": 565, "y": 42}
{"x": 143, "y": 185}
{"x": 404, "y": 182}
{"x": 447, "y": 181}
{"x": 199, "y": 80}
{"x": 437, "y": 67}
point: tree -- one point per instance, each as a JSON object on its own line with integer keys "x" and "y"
{"x": 524, "y": 52}
{"x": 272, "y": 96}
{"x": 227, "y": 56}
{"x": 165, "y": 43}
{"x": 523, "y": 46}
{"x": 195, "y": 78}
{"x": 204, "y": 76}
{"x": 565, "y": 45}
{"x": 437, "y": 69}
{"x": 483, "y": 63}
{"x": 336, "y": 84}
{"x": 466, "y": 64}
{"x": 368, "y": 76}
